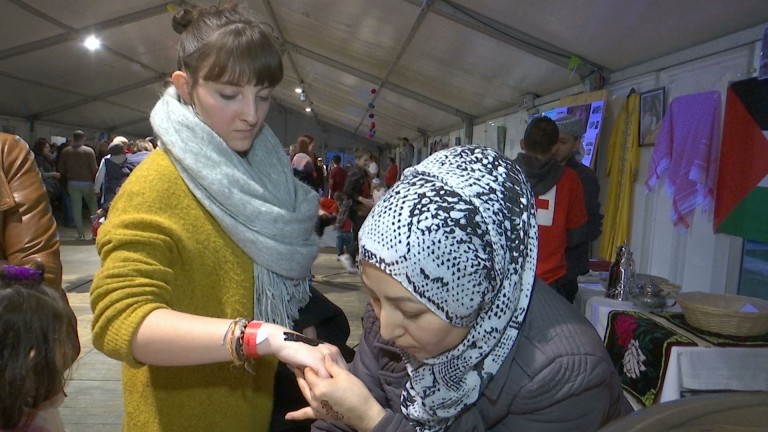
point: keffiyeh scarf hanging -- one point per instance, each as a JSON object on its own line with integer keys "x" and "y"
{"x": 687, "y": 148}
{"x": 458, "y": 231}
{"x": 255, "y": 199}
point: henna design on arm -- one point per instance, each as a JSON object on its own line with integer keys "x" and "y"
{"x": 296, "y": 337}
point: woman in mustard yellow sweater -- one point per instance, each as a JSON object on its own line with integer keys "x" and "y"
{"x": 210, "y": 228}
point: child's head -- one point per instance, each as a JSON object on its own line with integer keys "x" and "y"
{"x": 449, "y": 256}
{"x": 540, "y": 136}
{"x": 34, "y": 330}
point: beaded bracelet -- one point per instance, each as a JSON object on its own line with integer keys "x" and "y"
{"x": 235, "y": 333}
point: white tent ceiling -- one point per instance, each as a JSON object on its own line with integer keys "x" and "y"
{"x": 435, "y": 63}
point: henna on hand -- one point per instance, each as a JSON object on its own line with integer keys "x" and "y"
{"x": 330, "y": 412}
{"x": 296, "y": 337}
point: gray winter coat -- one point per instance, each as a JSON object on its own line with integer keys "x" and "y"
{"x": 558, "y": 377}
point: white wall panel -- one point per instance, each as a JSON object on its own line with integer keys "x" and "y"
{"x": 698, "y": 259}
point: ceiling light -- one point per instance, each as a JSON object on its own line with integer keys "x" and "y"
{"x": 92, "y": 42}
{"x": 308, "y": 109}
{"x": 298, "y": 89}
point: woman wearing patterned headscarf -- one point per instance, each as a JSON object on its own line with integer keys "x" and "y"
{"x": 459, "y": 335}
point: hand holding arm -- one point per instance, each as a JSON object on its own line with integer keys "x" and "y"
{"x": 342, "y": 397}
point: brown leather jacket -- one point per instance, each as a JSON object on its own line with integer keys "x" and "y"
{"x": 27, "y": 229}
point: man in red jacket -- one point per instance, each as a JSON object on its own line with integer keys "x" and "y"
{"x": 560, "y": 210}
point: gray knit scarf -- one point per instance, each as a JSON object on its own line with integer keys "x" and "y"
{"x": 256, "y": 200}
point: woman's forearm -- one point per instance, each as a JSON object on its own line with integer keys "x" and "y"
{"x": 171, "y": 338}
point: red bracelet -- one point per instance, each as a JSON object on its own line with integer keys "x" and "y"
{"x": 250, "y": 339}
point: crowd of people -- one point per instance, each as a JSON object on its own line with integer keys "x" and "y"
{"x": 346, "y": 194}
{"x": 78, "y": 175}
{"x": 205, "y": 293}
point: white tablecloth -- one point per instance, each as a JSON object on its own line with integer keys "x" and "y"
{"x": 586, "y": 292}
{"x": 715, "y": 368}
{"x": 695, "y": 367}
{"x": 597, "y": 309}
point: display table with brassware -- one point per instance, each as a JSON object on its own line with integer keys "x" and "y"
{"x": 597, "y": 308}
{"x": 593, "y": 285}
{"x": 659, "y": 356}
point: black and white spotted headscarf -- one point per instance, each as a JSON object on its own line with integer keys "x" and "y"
{"x": 459, "y": 232}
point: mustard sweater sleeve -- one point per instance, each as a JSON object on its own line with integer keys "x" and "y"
{"x": 160, "y": 248}
{"x": 137, "y": 246}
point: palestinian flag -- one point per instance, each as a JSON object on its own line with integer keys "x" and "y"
{"x": 741, "y": 200}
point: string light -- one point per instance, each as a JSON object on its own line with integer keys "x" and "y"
{"x": 303, "y": 97}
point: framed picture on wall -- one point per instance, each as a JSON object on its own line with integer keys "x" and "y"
{"x": 652, "y": 106}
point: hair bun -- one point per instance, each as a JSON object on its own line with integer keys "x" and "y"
{"x": 182, "y": 19}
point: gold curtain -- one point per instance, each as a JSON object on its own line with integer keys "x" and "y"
{"x": 621, "y": 171}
